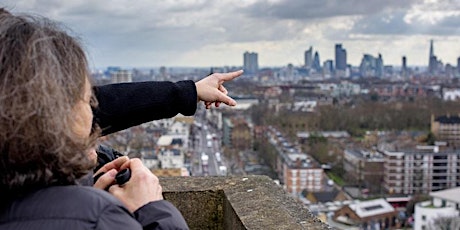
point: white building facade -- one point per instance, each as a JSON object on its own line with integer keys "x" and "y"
{"x": 443, "y": 204}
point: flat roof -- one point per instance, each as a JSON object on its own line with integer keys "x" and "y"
{"x": 451, "y": 194}
{"x": 371, "y": 208}
{"x": 164, "y": 140}
{"x": 295, "y": 156}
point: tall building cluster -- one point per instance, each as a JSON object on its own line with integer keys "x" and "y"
{"x": 370, "y": 66}
{"x": 311, "y": 61}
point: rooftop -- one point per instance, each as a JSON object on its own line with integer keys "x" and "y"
{"x": 371, "y": 208}
{"x": 451, "y": 194}
{"x": 447, "y": 119}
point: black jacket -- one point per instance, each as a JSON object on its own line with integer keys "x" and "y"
{"x": 128, "y": 104}
{"x": 84, "y": 207}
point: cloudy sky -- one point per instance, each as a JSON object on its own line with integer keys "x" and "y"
{"x": 203, "y": 33}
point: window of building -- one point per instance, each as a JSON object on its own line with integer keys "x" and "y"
{"x": 373, "y": 207}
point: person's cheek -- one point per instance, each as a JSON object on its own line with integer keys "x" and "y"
{"x": 82, "y": 122}
{"x": 93, "y": 155}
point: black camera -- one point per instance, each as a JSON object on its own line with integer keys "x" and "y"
{"x": 105, "y": 155}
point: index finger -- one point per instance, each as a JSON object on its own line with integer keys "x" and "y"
{"x": 230, "y": 76}
{"x": 115, "y": 164}
{"x": 133, "y": 164}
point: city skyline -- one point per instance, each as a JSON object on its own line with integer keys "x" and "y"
{"x": 200, "y": 33}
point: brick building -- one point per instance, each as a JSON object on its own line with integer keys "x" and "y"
{"x": 296, "y": 170}
{"x": 364, "y": 168}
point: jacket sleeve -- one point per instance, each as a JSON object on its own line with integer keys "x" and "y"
{"x": 117, "y": 217}
{"x": 160, "y": 215}
{"x": 124, "y": 105}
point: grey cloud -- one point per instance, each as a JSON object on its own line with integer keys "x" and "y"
{"x": 308, "y": 9}
{"x": 268, "y": 30}
{"x": 384, "y": 24}
{"x": 393, "y": 24}
{"x": 203, "y": 5}
{"x": 449, "y": 25}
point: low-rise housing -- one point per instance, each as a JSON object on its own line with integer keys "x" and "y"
{"x": 451, "y": 94}
{"x": 371, "y": 214}
{"x": 170, "y": 151}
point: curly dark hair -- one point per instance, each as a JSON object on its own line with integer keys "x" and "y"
{"x": 43, "y": 71}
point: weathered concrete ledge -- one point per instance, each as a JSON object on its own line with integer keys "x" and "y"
{"x": 243, "y": 202}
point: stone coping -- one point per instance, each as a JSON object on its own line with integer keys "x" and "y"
{"x": 237, "y": 202}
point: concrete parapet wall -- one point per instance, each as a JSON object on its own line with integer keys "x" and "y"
{"x": 243, "y": 202}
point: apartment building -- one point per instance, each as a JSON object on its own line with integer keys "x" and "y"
{"x": 364, "y": 168}
{"x": 297, "y": 171}
{"x": 421, "y": 170}
{"x": 300, "y": 173}
{"x": 237, "y": 133}
{"x": 446, "y": 128}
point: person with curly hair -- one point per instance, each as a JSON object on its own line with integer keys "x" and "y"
{"x": 47, "y": 140}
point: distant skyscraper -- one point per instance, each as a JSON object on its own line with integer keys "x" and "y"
{"x": 367, "y": 66}
{"x": 316, "y": 63}
{"x": 404, "y": 67}
{"x": 458, "y": 65}
{"x": 328, "y": 67}
{"x": 308, "y": 57}
{"x": 251, "y": 63}
{"x": 379, "y": 66}
{"x": 432, "y": 60}
{"x": 371, "y": 66}
{"x": 431, "y": 50}
{"x": 340, "y": 57}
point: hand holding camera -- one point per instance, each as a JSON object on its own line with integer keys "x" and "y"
{"x": 143, "y": 186}
{"x": 136, "y": 184}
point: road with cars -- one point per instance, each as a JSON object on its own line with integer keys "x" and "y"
{"x": 207, "y": 157}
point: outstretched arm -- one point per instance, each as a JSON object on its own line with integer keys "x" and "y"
{"x": 129, "y": 104}
{"x": 124, "y": 105}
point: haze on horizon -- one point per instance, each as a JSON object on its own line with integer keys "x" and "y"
{"x": 201, "y": 33}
